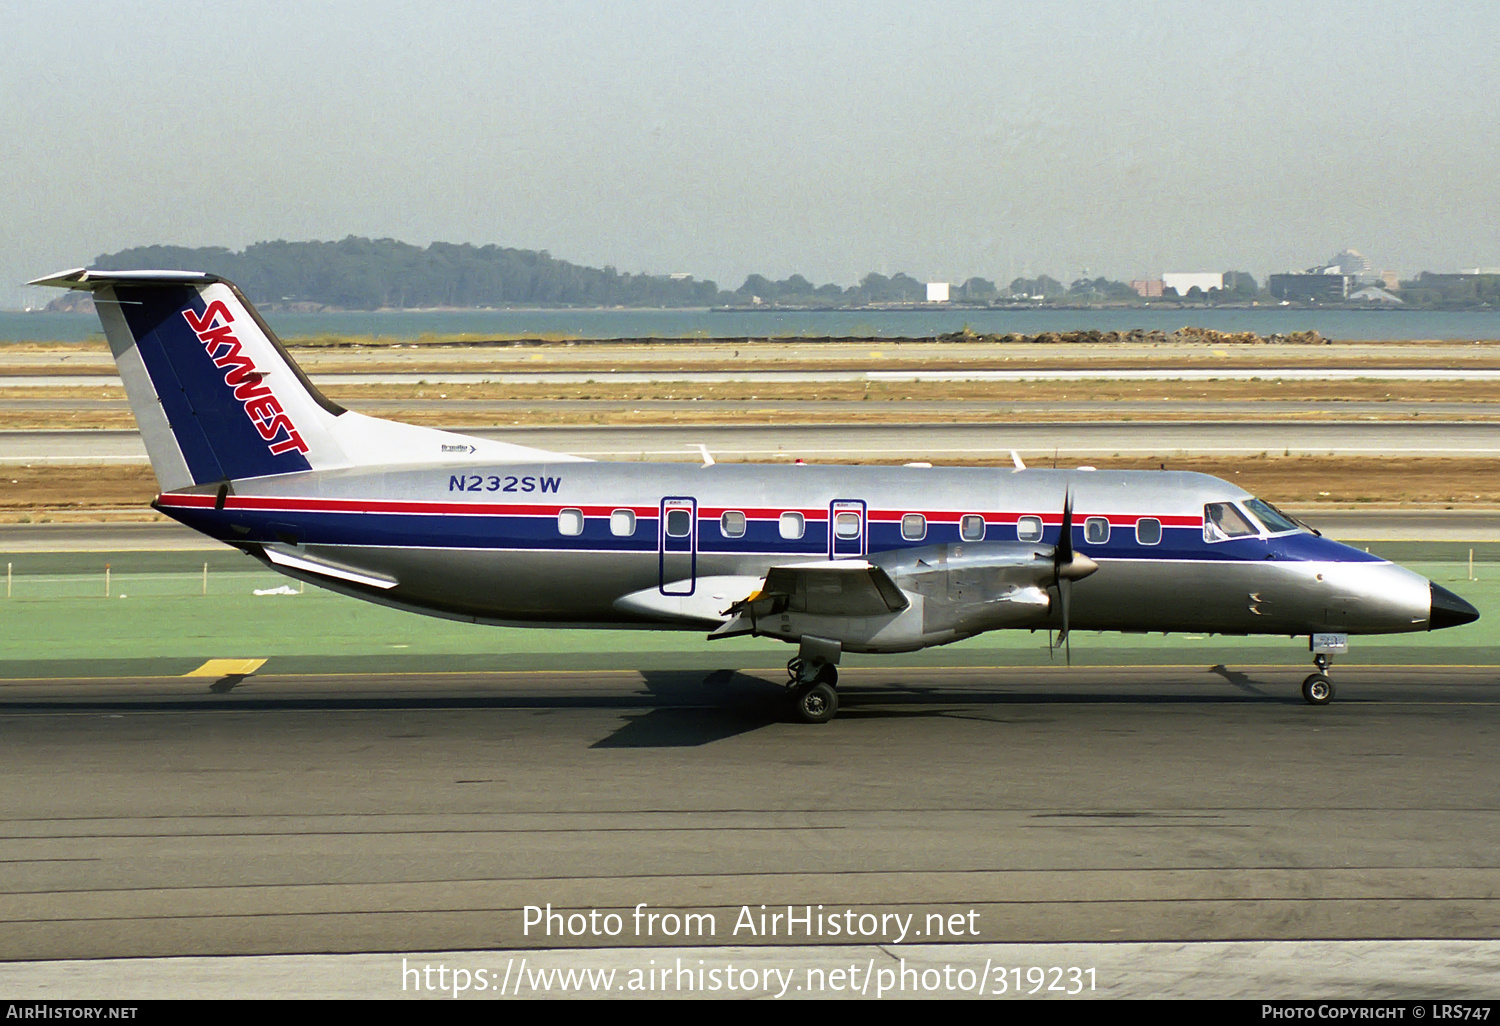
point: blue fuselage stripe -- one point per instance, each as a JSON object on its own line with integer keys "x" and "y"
{"x": 761, "y": 537}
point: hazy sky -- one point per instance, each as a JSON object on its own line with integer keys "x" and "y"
{"x": 719, "y": 138}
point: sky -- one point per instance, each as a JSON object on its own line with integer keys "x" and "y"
{"x": 942, "y": 139}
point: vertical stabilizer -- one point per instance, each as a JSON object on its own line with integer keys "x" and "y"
{"x": 218, "y": 398}
{"x": 215, "y": 394}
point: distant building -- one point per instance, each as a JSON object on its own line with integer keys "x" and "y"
{"x": 1354, "y": 264}
{"x": 1185, "y": 282}
{"x": 1310, "y": 287}
{"x": 1448, "y": 281}
{"x": 937, "y": 292}
{"x": 1147, "y": 288}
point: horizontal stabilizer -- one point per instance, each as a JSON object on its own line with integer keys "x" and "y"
{"x": 86, "y": 280}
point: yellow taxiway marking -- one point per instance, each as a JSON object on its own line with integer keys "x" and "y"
{"x": 225, "y": 667}
{"x": 205, "y": 671}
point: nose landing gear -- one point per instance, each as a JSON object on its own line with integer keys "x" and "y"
{"x": 1317, "y": 689}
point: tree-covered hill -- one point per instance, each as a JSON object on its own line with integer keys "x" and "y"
{"x": 367, "y": 274}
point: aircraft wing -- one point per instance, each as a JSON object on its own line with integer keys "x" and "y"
{"x": 844, "y": 587}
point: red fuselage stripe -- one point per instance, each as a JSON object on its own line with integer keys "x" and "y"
{"x": 319, "y": 505}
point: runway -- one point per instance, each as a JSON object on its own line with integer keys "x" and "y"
{"x": 898, "y": 442}
{"x": 191, "y": 817}
{"x": 1202, "y": 823}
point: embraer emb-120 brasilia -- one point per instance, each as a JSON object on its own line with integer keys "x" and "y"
{"x": 832, "y": 559}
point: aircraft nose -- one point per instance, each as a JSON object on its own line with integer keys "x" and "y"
{"x": 1448, "y": 610}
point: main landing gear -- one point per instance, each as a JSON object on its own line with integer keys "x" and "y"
{"x": 1317, "y": 689}
{"x": 812, "y": 679}
{"x": 812, "y": 684}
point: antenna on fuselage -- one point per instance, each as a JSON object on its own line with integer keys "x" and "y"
{"x": 1015, "y": 458}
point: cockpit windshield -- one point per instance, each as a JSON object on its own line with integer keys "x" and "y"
{"x": 1276, "y": 521}
{"x": 1224, "y": 520}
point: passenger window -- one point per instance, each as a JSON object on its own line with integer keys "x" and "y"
{"x": 1147, "y": 531}
{"x": 846, "y": 525}
{"x": 570, "y": 522}
{"x": 1222, "y": 520}
{"x": 732, "y": 524}
{"x": 622, "y": 523}
{"x": 914, "y": 527}
{"x": 971, "y": 527}
{"x": 792, "y": 526}
{"x": 679, "y": 523}
{"x": 1096, "y": 530}
{"x": 1029, "y": 529}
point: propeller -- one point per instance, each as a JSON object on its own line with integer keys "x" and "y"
{"x": 1068, "y": 566}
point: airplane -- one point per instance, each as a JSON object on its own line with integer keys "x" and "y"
{"x": 831, "y": 559}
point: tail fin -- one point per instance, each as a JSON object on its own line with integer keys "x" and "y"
{"x": 218, "y": 398}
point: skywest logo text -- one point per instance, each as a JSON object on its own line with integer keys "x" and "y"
{"x": 240, "y": 374}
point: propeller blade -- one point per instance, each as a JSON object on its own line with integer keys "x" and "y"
{"x": 1068, "y": 567}
{"x": 1064, "y": 550}
{"x": 1065, "y": 594}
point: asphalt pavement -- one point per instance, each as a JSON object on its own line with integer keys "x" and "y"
{"x": 1134, "y": 811}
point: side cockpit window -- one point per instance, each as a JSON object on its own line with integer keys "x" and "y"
{"x": 1276, "y": 521}
{"x": 1224, "y": 520}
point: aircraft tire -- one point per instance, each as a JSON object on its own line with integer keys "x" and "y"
{"x": 815, "y": 703}
{"x": 1317, "y": 689}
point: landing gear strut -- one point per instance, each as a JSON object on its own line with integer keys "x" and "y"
{"x": 1317, "y": 689}
{"x": 812, "y": 681}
